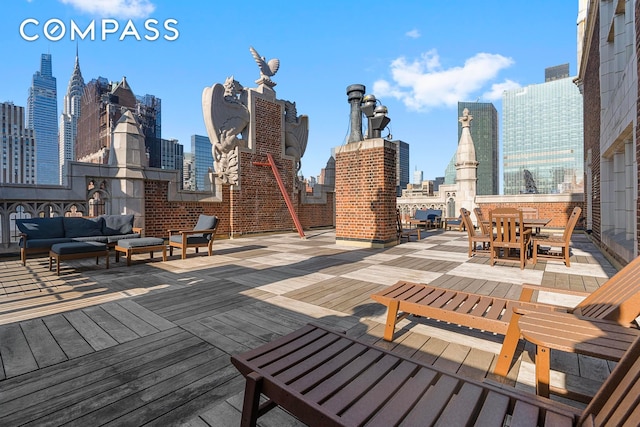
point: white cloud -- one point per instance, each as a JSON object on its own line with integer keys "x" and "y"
{"x": 423, "y": 83}
{"x": 414, "y": 34}
{"x": 114, "y": 8}
{"x": 495, "y": 93}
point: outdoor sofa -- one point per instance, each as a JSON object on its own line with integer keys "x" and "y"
{"x": 37, "y": 235}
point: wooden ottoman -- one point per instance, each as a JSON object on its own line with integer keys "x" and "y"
{"x": 77, "y": 250}
{"x": 143, "y": 244}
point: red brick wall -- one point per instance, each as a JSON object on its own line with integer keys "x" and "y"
{"x": 317, "y": 215}
{"x": 162, "y": 215}
{"x": 559, "y": 212}
{"x": 365, "y": 195}
{"x": 258, "y": 205}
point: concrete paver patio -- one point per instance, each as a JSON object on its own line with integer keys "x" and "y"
{"x": 150, "y": 343}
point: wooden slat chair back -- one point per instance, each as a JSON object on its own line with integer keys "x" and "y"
{"x": 483, "y": 223}
{"x": 405, "y": 232}
{"x": 618, "y": 300}
{"x": 563, "y": 242}
{"x": 508, "y": 235}
{"x": 529, "y": 213}
{"x": 617, "y": 402}
{"x": 475, "y": 237}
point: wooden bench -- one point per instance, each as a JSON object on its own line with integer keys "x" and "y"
{"x": 325, "y": 378}
{"x": 617, "y": 301}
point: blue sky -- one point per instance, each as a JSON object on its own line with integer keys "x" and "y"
{"x": 418, "y": 57}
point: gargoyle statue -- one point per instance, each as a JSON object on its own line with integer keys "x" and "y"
{"x": 267, "y": 69}
{"x": 296, "y": 133}
{"x": 226, "y": 118}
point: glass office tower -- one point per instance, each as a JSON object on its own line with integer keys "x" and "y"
{"x": 203, "y": 159}
{"x": 402, "y": 166}
{"x": 42, "y": 117}
{"x": 484, "y": 132}
{"x": 542, "y": 137}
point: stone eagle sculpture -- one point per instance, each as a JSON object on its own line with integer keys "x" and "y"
{"x": 267, "y": 69}
{"x": 225, "y": 117}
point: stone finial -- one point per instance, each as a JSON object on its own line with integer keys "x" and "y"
{"x": 466, "y": 118}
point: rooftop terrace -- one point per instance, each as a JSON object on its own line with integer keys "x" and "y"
{"x": 150, "y": 343}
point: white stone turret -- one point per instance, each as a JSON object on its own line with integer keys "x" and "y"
{"x": 466, "y": 166}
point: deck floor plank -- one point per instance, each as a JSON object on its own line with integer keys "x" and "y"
{"x": 43, "y": 345}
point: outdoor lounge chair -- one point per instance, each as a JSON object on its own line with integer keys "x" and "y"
{"x": 561, "y": 242}
{"x": 325, "y": 378}
{"x": 617, "y": 301}
{"x": 201, "y": 236}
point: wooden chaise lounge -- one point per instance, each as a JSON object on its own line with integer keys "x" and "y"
{"x": 616, "y": 304}
{"x": 324, "y": 378}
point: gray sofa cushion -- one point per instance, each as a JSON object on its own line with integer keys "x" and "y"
{"x": 41, "y": 228}
{"x": 82, "y": 227}
{"x": 44, "y": 243}
{"x": 114, "y": 238}
{"x": 117, "y": 224}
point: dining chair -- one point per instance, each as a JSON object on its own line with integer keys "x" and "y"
{"x": 563, "y": 242}
{"x": 509, "y": 241}
{"x": 475, "y": 236}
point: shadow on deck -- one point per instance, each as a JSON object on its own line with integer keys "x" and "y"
{"x": 150, "y": 343}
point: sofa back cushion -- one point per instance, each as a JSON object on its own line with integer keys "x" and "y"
{"x": 205, "y": 222}
{"x": 41, "y": 228}
{"x": 117, "y": 224}
{"x": 82, "y": 227}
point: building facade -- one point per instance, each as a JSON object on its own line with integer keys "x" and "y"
{"x": 542, "y": 138}
{"x": 484, "y": 131}
{"x": 42, "y": 117}
{"x": 188, "y": 176}
{"x": 68, "y": 129}
{"x": 101, "y": 108}
{"x": 18, "y": 146}
{"x": 608, "y": 79}
{"x": 202, "y": 159}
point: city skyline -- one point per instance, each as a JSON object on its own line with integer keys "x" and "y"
{"x": 417, "y": 65}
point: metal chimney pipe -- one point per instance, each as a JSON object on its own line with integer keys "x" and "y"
{"x": 355, "y": 93}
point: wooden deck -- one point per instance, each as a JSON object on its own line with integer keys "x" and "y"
{"x": 149, "y": 344}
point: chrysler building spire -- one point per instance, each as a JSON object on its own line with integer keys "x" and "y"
{"x": 69, "y": 119}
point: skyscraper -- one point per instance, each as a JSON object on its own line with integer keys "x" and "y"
{"x": 69, "y": 120}
{"x": 484, "y": 132}
{"x": 402, "y": 166}
{"x": 542, "y": 137}
{"x": 42, "y": 117}
{"x": 149, "y": 115}
{"x": 18, "y": 147}
{"x": 202, "y": 159}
